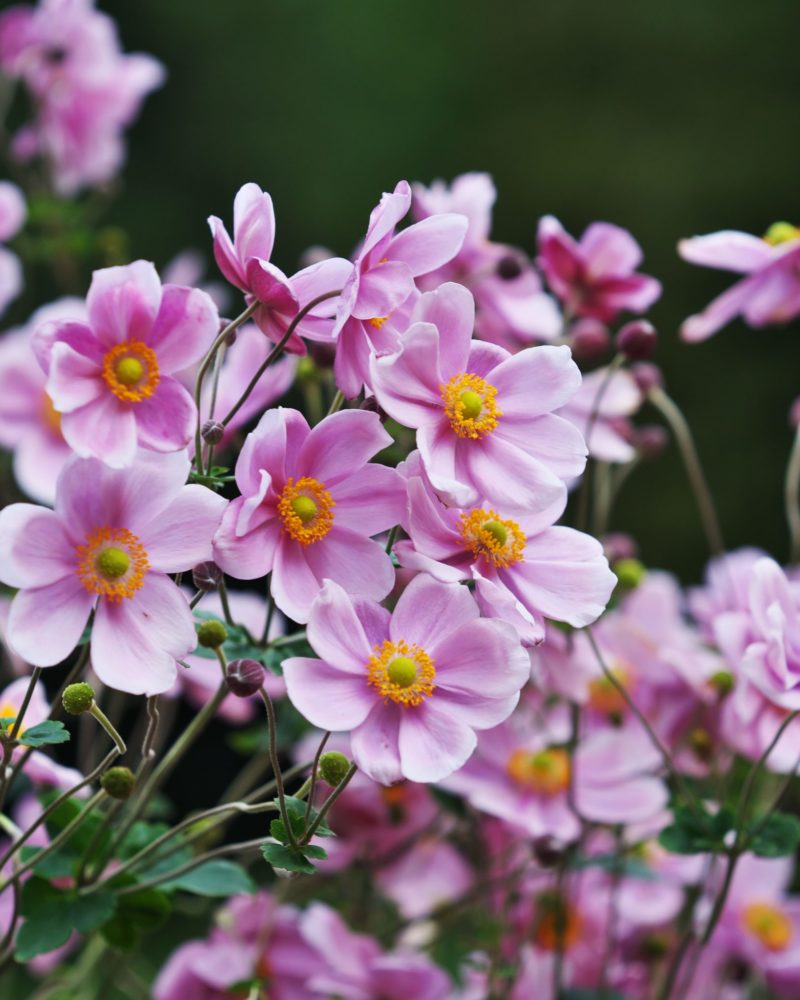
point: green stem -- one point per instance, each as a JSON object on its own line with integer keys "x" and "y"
{"x": 276, "y": 767}
{"x": 791, "y": 493}
{"x": 105, "y": 722}
{"x": 313, "y": 778}
{"x": 326, "y": 806}
{"x": 336, "y": 403}
{"x": 245, "y": 845}
{"x": 63, "y": 836}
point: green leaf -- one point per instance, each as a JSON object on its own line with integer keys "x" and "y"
{"x": 778, "y": 836}
{"x": 616, "y": 865}
{"x": 136, "y": 914}
{"x": 696, "y": 831}
{"x": 214, "y": 878}
{"x": 51, "y": 915}
{"x": 45, "y": 734}
{"x": 293, "y": 859}
{"x": 57, "y": 865}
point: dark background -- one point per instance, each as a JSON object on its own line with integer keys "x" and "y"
{"x": 668, "y": 118}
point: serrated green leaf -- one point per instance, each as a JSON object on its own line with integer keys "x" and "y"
{"x": 45, "y": 734}
{"x": 292, "y": 859}
{"x": 51, "y": 915}
{"x": 214, "y": 878}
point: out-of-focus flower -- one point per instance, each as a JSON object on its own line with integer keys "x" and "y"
{"x": 601, "y": 410}
{"x": 769, "y": 294}
{"x": 12, "y": 217}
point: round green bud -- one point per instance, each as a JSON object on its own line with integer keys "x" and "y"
{"x": 306, "y": 369}
{"x": 333, "y": 766}
{"x": 781, "y": 232}
{"x": 722, "y": 682}
{"x": 118, "y": 782}
{"x": 77, "y": 698}
{"x": 630, "y": 573}
{"x": 211, "y": 633}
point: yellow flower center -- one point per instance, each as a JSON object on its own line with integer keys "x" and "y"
{"x": 131, "y": 371}
{"x": 485, "y": 534}
{"x": 50, "y": 416}
{"x": 305, "y": 508}
{"x": 112, "y": 563}
{"x": 469, "y": 402}
{"x": 545, "y": 771}
{"x": 377, "y": 321}
{"x": 8, "y": 713}
{"x": 781, "y": 232}
{"x": 605, "y": 697}
{"x": 770, "y": 925}
{"x": 401, "y": 673}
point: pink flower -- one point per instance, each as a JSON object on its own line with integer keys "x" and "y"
{"x": 12, "y": 216}
{"x": 600, "y": 410}
{"x": 310, "y": 502}
{"x": 769, "y": 294}
{"x": 85, "y": 90}
{"x": 511, "y": 308}
{"x": 484, "y": 418}
{"x": 382, "y": 279}
{"x": 110, "y": 378}
{"x": 245, "y": 262}
{"x": 29, "y": 424}
{"x": 108, "y": 546}
{"x": 410, "y": 687}
{"x": 523, "y": 572}
{"x": 595, "y": 276}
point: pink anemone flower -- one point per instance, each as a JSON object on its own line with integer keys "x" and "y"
{"x": 382, "y": 279}
{"x": 596, "y": 275}
{"x": 111, "y": 378}
{"x": 770, "y": 292}
{"x": 484, "y": 418}
{"x": 601, "y": 409}
{"x": 245, "y": 262}
{"x": 411, "y": 687}
{"x": 310, "y": 502}
{"x": 521, "y": 570}
{"x": 108, "y": 545}
{"x": 12, "y": 216}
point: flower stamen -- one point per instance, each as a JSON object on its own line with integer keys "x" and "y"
{"x": 486, "y": 535}
{"x": 401, "y": 673}
{"x": 769, "y": 924}
{"x": 131, "y": 371}
{"x": 113, "y": 563}
{"x": 469, "y": 402}
{"x": 544, "y": 771}
{"x": 305, "y": 508}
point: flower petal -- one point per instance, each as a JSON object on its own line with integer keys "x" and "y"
{"x": 123, "y": 302}
{"x": 340, "y": 445}
{"x": 374, "y": 744}
{"x": 184, "y": 329}
{"x": 432, "y": 743}
{"x": 328, "y": 697}
{"x": 166, "y": 421}
{"x": 336, "y": 633}
{"x": 180, "y": 537}
{"x": 64, "y": 605}
{"x": 428, "y": 611}
{"x": 34, "y": 548}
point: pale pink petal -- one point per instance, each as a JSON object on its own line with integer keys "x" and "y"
{"x": 184, "y": 329}
{"x": 382, "y": 289}
{"x": 294, "y": 585}
{"x": 728, "y": 249}
{"x": 166, "y": 421}
{"x": 370, "y": 500}
{"x": 225, "y": 254}
{"x": 12, "y": 210}
{"x": 432, "y": 526}
{"x": 386, "y": 214}
{"x": 634, "y": 801}
{"x": 451, "y": 309}
{"x": 320, "y": 279}
{"x": 253, "y": 222}
{"x": 74, "y": 379}
{"x": 717, "y": 313}
{"x": 609, "y": 250}
{"x": 272, "y": 446}
{"x": 482, "y": 658}
{"x": 535, "y": 381}
{"x": 11, "y": 278}
{"x": 359, "y": 564}
{"x": 432, "y": 743}
{"x": 429, "y": 610}
{"x": 180, "y": 537}
{"x": 374, "y": 744}
{"x": 406, "y": 384}
{"x": 336, "y": 633}
{"x": 34, "y": 548}
{"x": 328, "y": 697}
{"x": 248, "y": 556}
{"x": 340, "y": 445}
{"x": 64, "y": 606}
{"x": 105, "y": 429}
{"x": 123, "y": 302}
{"x": 438, "y": 448}
{"x": 429, "y": 244}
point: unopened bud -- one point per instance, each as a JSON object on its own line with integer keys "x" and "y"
{"x": 333, "y": 767}
{"x": 589, "y": 339}
{"x": 211, "y": 633}
{"x": 722, "y": 682}
{"x": 618, "y": 545}
{"x": 244, "y": 677}
{"x": 212, "y": 431}
{"x": 651, "y": 440}
{"x": 701, "y": 743}
{"x": 371, "y": 405}
{"x": 77, "y": 698}
{"x": 118, "y": 782}
{"x": 648, "y": 376}
{"x": 781, "y": 232}
{"x": 306, "y": 370}
{"x": 637, "y": 340}
{"x": 629, "y": 572}
{"x": 510, "y": 267}
{"x": 548, "y": 851}
{"x": 206, "y": 576}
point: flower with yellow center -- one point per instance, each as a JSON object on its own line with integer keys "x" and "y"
{"x": 305, "y": 509}
{"x": 401, "y": 673}
{"x": 8, "y": 713}
{"x": 769, "y": 924}
{"x": 131, "y": 371}
{"x": 50, "y": 416}
{"x": 469, "y": 403}
{"x": 558, "y": 924}
{"x": 377, "y": 321}
{"x": 605, "y": 696}
{"x": 113, "y": 563}
{"x": 546, "y": 772}
{"x": 486, "y": 534}
{"x": 781, "y": 232}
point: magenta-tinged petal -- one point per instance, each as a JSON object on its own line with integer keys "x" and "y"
{"x": 75, "y": 380}
{"x": 775, "y": 297}
{"x": 321, "y": 279}
{"x": 180, "y": 537}
{"x": 64, "y": 606}
{"x": 406, "y": 384}
{"x": 351, "y": 365}
{"x": 184, "y": 329}
{"x": 328, "y": 697}
{"x": 483, "y": 658}
{"x": 433, "y": 744}
{"x": 135, "y": 642}
{"x": 225, "y": 254}
{"x": 273, "y": 446}
{"x": 123, "y": 302}
{"x": 248, "y": 556}
{"x": 476, "y": 713}
{"x": 432, "y": 526}
{"x": 429, "y": 610}
{"x": 496, "y": 601}
{"x": 386, "y": 214}
{"x": 253, "y": 222}
{"x": 340, "y": 445}
{"x": 271, "y": 286}
{"x": 382, "y": 289}
{"x": 429, "y": 244}
{"x": 294, "y": 585}
{"x": 551, "y": 439}
{"x": 718, "y": 313}
{"x": 535, "y": 381}
{"x": 438, "y": 448}
{"x": 336, "y": 633}
{"x": 728, "y": 250}
{"x": 34, "y": 549}
{"x": 12, "y": 210}
{"x": 166, "y": 421}
{"x": 360, "y": 565}
{"x": 76, "y": 334}
{"x": 370, "y": 500}
{"x": 11, "y": 278}
{"x": 609, "y": 250}
{"x": 451, "y": 309}
{"x": 635, "y": 801}
{"x": 374, "y": 744}
{"x": 105, "y": 429}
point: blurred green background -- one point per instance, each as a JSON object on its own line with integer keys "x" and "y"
{"x": 670, "y": 119}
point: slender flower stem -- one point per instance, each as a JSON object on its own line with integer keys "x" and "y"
{"x": 245, "y": 845}
{"x": 275, "y": 353}
{"x": 758, "y": 767}
{"x": 17, "y": 724}
{"x": 201, "y": 373}
{"x": 791, "y": 495}
{"x": 694, "y": 469}
{"x": 326, "y": 806}
{"x": 391, "y": 539}
{"x": 336, "y": 403}
{"x": 276, "y": 766}
{"x": 223, "y": 599}
{"x": 313, "y": 778}
{"x": 582, "y": 517}
{"x": 269, "y": 617}
{"x": 105, "y": 722}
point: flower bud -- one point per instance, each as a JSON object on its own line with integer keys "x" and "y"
{"x": 781, "y": 232}
{"x": 648, "y": 376}
{"x": 212, "y": 431}
{"x": 630, "y": 573}
{"x": 323, "y": 354}
{"x": 370, "y": 404}
{"x": 637, "y": 340}
{"x": 548, "y": 851}
{"x": 244, "y": 677}
{"x": 306, "y": 370}
{"x": 77, "y": 698}
{"x": 651, "y": 440}
{"x": 509, "y": 267}
{"x": 619, "y": 546}
{"x": 206, "y": 576}
{"x": 701, "y": 743}
{"x": 333, "y": 766}
{"x": 211, "y": 633}
{"x": 589, "y": 339}
{"x": 722, "y": 682}
{"x": 118, "y": 782}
